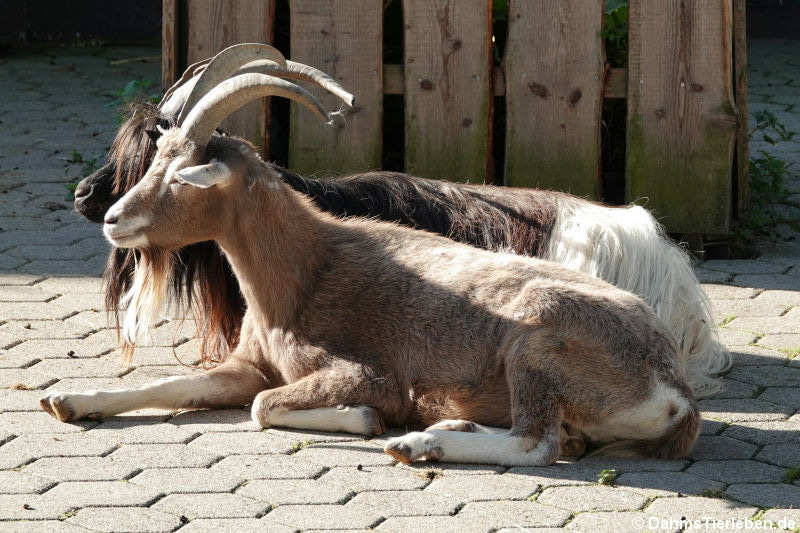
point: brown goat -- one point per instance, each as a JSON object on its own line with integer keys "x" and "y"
{"x": 398, "y": 325}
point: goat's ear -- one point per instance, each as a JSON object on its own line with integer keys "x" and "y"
{"x": 153, "y": 134}
{"x": 205, "y": 176}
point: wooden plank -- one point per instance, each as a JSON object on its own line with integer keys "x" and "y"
{"x": 448, "y": 88}
{"x": 169, "y": 43}
{"x": 616, "y": 84}
{"x": 555, "y": 68}
{"x": 217, "y": 24}
{"x": 344, "y": 39}
{"x": 742, "y": 137}
{"x": 681, "y": 116}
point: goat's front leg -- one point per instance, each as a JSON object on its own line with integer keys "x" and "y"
{"x": 234, "y": 383}
{"x": 346, "y": 398}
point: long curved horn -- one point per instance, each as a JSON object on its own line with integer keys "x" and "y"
{"x": 235, "y": 92}
{"x": 301, "y": 72}
{"x": 224, "y": 65}
{"x": 191, "y": 71}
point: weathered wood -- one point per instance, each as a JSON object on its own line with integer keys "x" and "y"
{"x": 616, "y": 84}
{"x": 169, "y": 43}
{"x": 448, "y": 88}
{"x": 681, "y": 116}
{"x": 742, "y": 137}
{"x": 344, "y": 39}
{"x": 217, "y": 24}
{"x": 555, "y": 69}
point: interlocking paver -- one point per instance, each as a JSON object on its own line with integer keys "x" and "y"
{"x": 736, "y": 410}
{"x": 239, "y": 525}
{"x": 136, "y": 430}
{"x": 293, "y": 491}
{"x": 756, "y": 355}
{"x": 268, "y": 467}
{"x": 125, "y": 519}
{"x": 345, "y": 454}
{"x": 80, "y": 469}
{"x": 324, "y": 516}
{"x": 415, "y": 524}
{"x": 374, "y": 478}
{"x": 250, "y": 443}
{"x": 211, "y": 505}
{"x": 784, "y": 454}
{"x": 40, "y": 526}
{"x": 614, "y": 522}
{"x": 180, "y": 480}
{"x": 592, "y": 498}
{"x": 768, "y": 376}
{"x": 766, "y": 432}
{"x": 786, "y": 396}
{"x": 485, "y": 487}
{"x": 14, "y": 482}
{"x": 39, "y": 422}
{"x": 515, "y": 514}
{"x": 407, "y": 503}
{"x": 654, "y": 484}
{"x": 74, "y": 494}
{"x": 163, "y": 455}
{"x": 766, "y": 494}
{"x": 719, "y": 447}
{"x": 737, "y": 471}
{"x": 697, "y": 508}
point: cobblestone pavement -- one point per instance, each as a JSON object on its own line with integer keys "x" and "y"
{"x": 214, "y": 470}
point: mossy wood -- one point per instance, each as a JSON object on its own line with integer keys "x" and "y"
{"x": 555, "y": 68}
{"x": 344, "y": 39}
{"x": 216, "y": 24}
{"x": 448, "y": 88}
{"x": 682, "y": 120}
{"x": 740, "y": 77}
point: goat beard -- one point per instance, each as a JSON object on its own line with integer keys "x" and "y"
{"x": 152, "y": 271}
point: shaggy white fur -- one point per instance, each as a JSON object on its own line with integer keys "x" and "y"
{"x": 626, "y": 246}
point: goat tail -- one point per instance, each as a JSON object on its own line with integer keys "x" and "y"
{"x": 627, "y": 247}
{"x": 675, "y": 443}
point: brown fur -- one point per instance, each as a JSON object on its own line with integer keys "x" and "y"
{"x": 363, "y": 312}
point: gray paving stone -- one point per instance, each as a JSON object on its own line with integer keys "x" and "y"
{"x": 79, "y": 368}
{"x": 743, "y": 410}
{"x": 767, "y": 281}
{"x": 728, "y": 336}
{"x": 736, "y": 389}
{"x": 80, "y": 469}
{"x": 324, "y": 516}
{"x": 784, "y": 518}
{"x": 780, "y": 297}
{"x": 72, "y": 494}
{"x": 655, "y": 484}
{"x": 30, "y": 330}
{"x": 239, "y": 525}
{"x": 484, "y": 487}
{"x": 40, "y": 422}
{"x": 124, "y": 519}
{"x": 293, "y": 491}
{"x": 728, "y": 292}
{"x": 711, "y": 427}
{"x": 345, "y": 454}
{"x": 785, "y": 396}
{"x": 415, "y": 524}
{"x": 72, "y": 285}
{"x": 766, "y": 324}
{"x": 766, "y": 432}
{"x": 249, "y": 443}
{"x": 768, "y": 376}
{"x": 163, "y": 455}
{"x": 780, "y": 340}
{"x": 222, "y": 420}
{"x": 14, "y": 482}
{"x": 139, "y": 430}
{"x": 515, "y": 514}
{"x": 20, "y": 400}
{"x": 744, "y": 308}
{"x": 719, "y": 447}
{"x": 374, "y": 478}
{"x": 186, "y": 480}
{"x": 698, "y": 508}
{"x": 756, "y": 356}
{"x": 712, "y": 276}
{"x": 613, "y": 522}
{"x": 30, "y": 507}
{"x": 39, "y": 526}
{"x": 743, "y": 471}
{"x": 783, "y": 454}
{"x": 407, "y": 503}
{"x": 268, "y": 467}
{"x": 592, "y": 498}
{"x": 28, "y": 447}
{"x": 210, "y": 505}
{"x": 425, "y": 469}
{"x": 740, "y": 266}
{"x": 24, "y": 293}
{"x": 766, "y": 494}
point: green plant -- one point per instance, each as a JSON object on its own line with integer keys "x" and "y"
{"x": 793, "y": 474}
{"x": 607, "y": 476}
{"x": 772, "y": 129}
{"x": 299, "y": 445}
{"x": 615, "y": 32}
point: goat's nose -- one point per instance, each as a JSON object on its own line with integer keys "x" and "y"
{"x": 111, "y": 218}
{"x": 83, "y": 189}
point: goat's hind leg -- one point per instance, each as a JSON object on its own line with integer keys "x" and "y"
{"x": 337, "y": 399}
{"x": 232, "y": 384}
{"x": 533, "y": 440}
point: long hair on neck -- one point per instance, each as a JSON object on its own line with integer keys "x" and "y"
{"x": 197, "y": 277}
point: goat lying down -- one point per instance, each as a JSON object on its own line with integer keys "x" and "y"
{"x": 398, "y": 326}
{"x": 624, "y": 246}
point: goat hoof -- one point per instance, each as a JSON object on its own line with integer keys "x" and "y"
{"x": 414, "y": 446}
{"x": 373, "y": 425}
{"x": 57, "y": 406}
